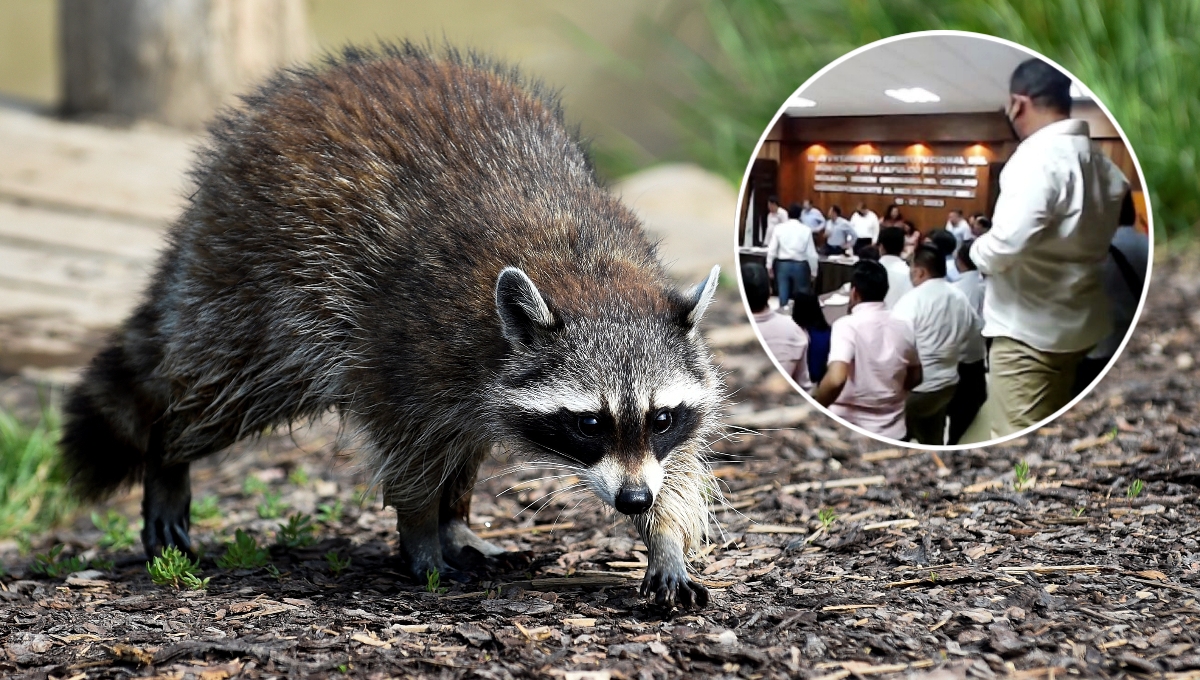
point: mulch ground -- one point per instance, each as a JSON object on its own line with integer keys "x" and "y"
{"x": 834, "y": 557}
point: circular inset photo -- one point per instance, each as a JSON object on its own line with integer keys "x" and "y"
{"x": 944, "y": 239}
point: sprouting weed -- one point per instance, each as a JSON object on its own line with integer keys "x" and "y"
{"x": 243, "y": 553}
{"x": 119, "y": 532}
{"x": 274, "y": 572}
{"x": 1020, "y": 475}
{"x": 336, "y": 564}
{"x": 433, "y": 582}
{"x": 52, "y": 564}
{"x": 253, "y": 486}
{"x": 298, "y": 532}
{"x": 827, "y": 517}
{"x": 1078, "y": 512}
{"x": 298, "y": 476}
{"x": 205, "y": 509}
{"x": 330, "y": 513}
{"x": 272, "y": 505}
{"x": 1135, "y": 489}
{"x": 173, "y": 568}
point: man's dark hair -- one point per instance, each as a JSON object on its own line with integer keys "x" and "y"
{"x": 870, "y": 280}
{"x": 807, "y": 313}
{"x": 868, "y": 253}
{"x": 757, "y": 284}
{"x": 773, "y": 199}
{"x": 891, "y": 240}
{"x": 983, "y": 223}
{"x": 944, "y": 241}
{"x": 931, "y": 259}
{"x": 835, "y": 210}
{"x": 956, "y": 211}
{"x": 963, "y": 257}
{"x": 1045, "y": 85}
{"x": 1128, "y": 211}
{"x": 794, "y": 211}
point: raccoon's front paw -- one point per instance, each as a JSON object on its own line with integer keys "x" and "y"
{"x": 673, "y": 587}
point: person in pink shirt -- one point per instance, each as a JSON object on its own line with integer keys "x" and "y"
{"x": 873, "y": 362}
{"x": 786, "y": 341}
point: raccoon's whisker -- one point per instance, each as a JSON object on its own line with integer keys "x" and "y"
{"x": 535, "y": 479}
{"x": 548, "y": 496}
{"x": 551, "y": 499}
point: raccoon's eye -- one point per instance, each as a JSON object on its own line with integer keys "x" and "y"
{"x": 589, "y": 425}
{"x": 662, "y": 422}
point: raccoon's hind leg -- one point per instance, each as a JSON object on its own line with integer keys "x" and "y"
{"x": 166, "y": 498}
{"x": 418, "y": 526}
{"x": 460, "y": 545}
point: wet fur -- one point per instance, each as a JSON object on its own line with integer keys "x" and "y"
{"x": 341, "y": 251}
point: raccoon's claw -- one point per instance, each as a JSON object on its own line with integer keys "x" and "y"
{"x": 160, "y": 532}
{"x": 166, "y": 510}
{"x": 674, "y": 588}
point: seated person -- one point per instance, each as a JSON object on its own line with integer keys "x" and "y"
{"x": 873, "y": 362}
{"x": 808, "y": 315}
{"x": 784, "y": 339}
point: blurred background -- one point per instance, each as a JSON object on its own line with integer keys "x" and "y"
{"x": 102, "y": 103}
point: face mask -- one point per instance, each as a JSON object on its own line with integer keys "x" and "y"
{"x": 1009, "y": 119}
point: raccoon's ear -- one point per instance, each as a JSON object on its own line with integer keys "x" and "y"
{"x": 524, "y": 315}
{"x": 700, "y": 297}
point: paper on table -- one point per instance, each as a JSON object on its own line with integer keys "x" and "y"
{"x": 835, "y": 300}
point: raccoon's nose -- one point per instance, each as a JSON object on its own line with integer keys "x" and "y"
{"x": 634, "y": 501}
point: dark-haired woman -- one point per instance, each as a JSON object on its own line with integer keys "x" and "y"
{"x": 807, "y": 313}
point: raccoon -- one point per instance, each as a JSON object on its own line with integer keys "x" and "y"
{"x": 413, "y": 239}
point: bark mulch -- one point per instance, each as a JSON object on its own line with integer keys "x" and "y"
{"x": 832, "y": 557}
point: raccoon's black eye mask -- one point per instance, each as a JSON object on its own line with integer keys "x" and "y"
{"x": 586, "y": 437}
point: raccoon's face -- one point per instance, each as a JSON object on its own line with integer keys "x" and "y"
{"x": 614, "y": 394}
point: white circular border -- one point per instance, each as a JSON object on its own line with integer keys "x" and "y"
{"x": 1149, "y": 219}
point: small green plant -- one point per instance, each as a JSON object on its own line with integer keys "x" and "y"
{"x": 272, "y": 505}
{"x": 298, "y": 532}
{"x": 274, "y": 572}
{"x": 433, "y": 582}
{"x": 933, "y": 576}
{"x": 343, "y": 668}
{"x": 1078, "y": 512}
{"x": 827, "y": 517}
{"x": 1135, "y": 489}
{"x": 1020, "y": 475}
{"x": 336, "y": 564}
{"x": 243, "y": 553}
{"x": 298, "y": 476}
{"x": 54, "y": 565}
{"x": 119, "y": 532}
{"x": 205, "y": 509}
{"x": 254, "y": 486}
{"x": 33, "y": 484}
{"x": 330, "y": 513}
{"x": 173, "y": 568}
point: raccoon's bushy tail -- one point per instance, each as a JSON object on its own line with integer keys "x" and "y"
{"x": 105, "y": 427}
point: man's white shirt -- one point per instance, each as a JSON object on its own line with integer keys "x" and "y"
{"x": 961, "y": 230}
{"x": 944, "y": 325}
{"x": 774, "y": 219}
{"x": 971, "y": 284}
{"x": 866, "y": 226}
{"x": 793, "y": 241}
{"x": 1058, "y": 208}
{"x": 899, "y": 279}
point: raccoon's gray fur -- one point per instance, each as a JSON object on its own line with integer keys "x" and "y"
{"x": 420, "y": 243}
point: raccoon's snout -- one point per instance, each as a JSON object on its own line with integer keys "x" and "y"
{"x": 634, "y": 500}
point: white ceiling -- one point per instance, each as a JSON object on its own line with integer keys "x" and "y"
{"x": 969, "y": 74}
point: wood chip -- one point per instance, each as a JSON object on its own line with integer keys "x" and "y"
{"x": 517, "y": 531}
{"x": 892, "y": 524}
{"x": 368, "y": 640}
{"x": 1064, "y": 569}
{"x": 848, "y": 607}
{"x": 775, "y": 529}
{"x": 889, "y": 454}
{"x": 873, "y": 480}
{"x": 580, "y": 623}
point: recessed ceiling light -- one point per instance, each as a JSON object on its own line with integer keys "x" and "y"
{"x": 800, "y": 102}
{"x": 913, "y": 95}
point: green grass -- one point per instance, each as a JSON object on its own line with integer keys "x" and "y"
{"x": 1135, "y": 489}
{"x": 173, "y": 568}
{"x": 336, "y": 564}
{"x": 827, "y": 517}
{"x": 297, "y": 532}
{"x": 243, "y": 553}
{"x": 33, "y": 486}
{"x": 724, "y": 67}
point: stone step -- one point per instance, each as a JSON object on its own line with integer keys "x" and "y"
{"x": 36, "y": 228}
{"x": 72, "y": 274}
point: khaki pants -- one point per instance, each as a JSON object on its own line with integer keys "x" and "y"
{"x": 1027, "y": 385}
{"x": 925, "y": 415}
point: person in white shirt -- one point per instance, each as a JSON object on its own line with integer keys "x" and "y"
{"x": 959, "y": 227}
{"x": 840, "y": 233}
{"x": 792, "y": 257}
{"x": 866, "y": 225}
{"x": 776, "y": 216}
{"x": 1124, "y": 279}
{"x": 891, "y": 245}
{"x": 944, "y": 325}
{"x": 786, "y": 341}
{"x": 812, "y": 217}
{"x": 1054, "y": 219}
{"x": 971, "y": 392}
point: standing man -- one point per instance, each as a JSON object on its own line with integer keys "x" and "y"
{"x": 792, "y": 257}
{"x": 840, "y": 233}
{"x": 944, "y": 325}
{"x": 866, "y": 225}
{"x": 776, "y": 216}
{"x": 971, "y": 392}
{"x": 812, "y": 217}
{"x": 787, "y": 342}
{"x": 1058, "y": 209}
{"x": 891, "y": 245}
{"x": 959, "y": 227}
{"x": 873, "y": 362}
